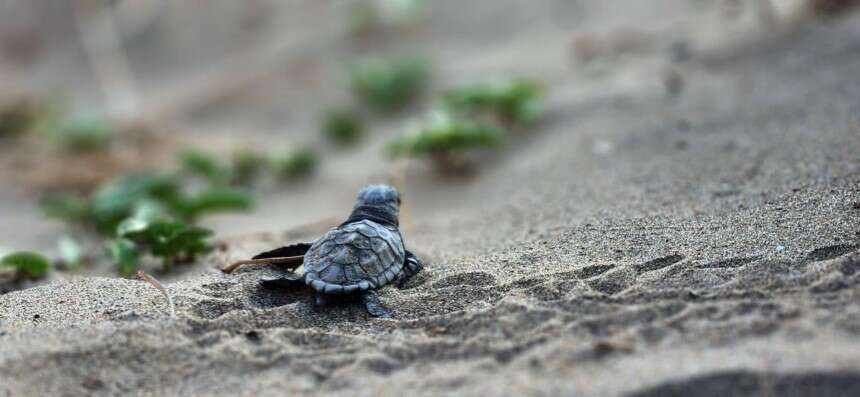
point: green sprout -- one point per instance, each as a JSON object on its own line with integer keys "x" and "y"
{"x": 247, "y": 165}
{"x": 117, "y": 199}
{"x": 343, "y": 127}
{"x": 152, "y": 193}
{"x": 71, "y": 252}
{"x": 68, "y": 207}
{"x": 294, "y": 165}
{"x": 17, "y": 117}
{"x": 389, "y": 84}
{"x": 84, "y": 132}
{"x": 362, "y": 17}
{"x": 173, "y": 241}
{"x": 193, "y": 206}
{"x": 26, "y": 264}
{"x": 123, "y": 252}
{"x": 512, "y": 101}
{"x": 204, "y": 165}
{"x": 445, "y": 133}
{"x": 446, "y": 139}
{"x": 367, "y": 16}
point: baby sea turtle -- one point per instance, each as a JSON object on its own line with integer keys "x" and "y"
{"x": 359, "y": 256}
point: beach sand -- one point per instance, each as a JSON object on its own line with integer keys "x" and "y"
{"x": 635, "y": 243}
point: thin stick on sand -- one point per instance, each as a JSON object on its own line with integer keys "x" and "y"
{"x": 279, "y": 260}
{"x": 152, "y": 281}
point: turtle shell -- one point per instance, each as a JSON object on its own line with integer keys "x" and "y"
{"x": 354, "y": 257}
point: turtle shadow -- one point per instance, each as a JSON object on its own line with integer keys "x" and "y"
{"x": 266, "y": 298}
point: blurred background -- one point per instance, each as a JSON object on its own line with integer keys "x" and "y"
{"x": 262, "y": 116}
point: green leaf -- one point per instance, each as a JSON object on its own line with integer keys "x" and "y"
{"x": 149, "y": 209}
{"x": 204, "y": 165}
{"x": 124, "y": 254}
{"x": 512, "y": 101}
{"x": 17, "y": 117}
{"x": 68, "y": 207}
{"x": 27, "y": 264}
{"x": 293, "y": 165}
{"x": 213, "y": 200}
{"x": 443, "y": 132}
{"x": 247, "y": 166}
{"x": 343, "y": 127}
{"x": 85, "y": 132}
{"x": 131, "y": 226}
{"x": 118, "y": 199}
{"x": 172, "y": 240}
{"x": 389, "y": 84}
{"x": 70, "y": 252}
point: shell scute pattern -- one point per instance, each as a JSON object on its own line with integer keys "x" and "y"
{"x": 358, "y": 256}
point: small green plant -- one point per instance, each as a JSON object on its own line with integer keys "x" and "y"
{"x": 68, "y": 207}
{"x": 152, "y": 193}
{"x": 17, "y": 117}
{"x": 445, "y": 139}
{"x": 389, "y": 84}
{"x": 294, "y": 165}
{"x": 247, "y": 166}
{"x": 244, "y": 167}
{"x": 204, "y": 165}
{"x": 71, "y": 253}
{"x": 367, "y": 16}
{"x": 217, "y": 199}
{"x": 443, "y": 132}
{"x": 84, "y": 132}
{"x": 123, "y": 252}
{"x": 27, "y": 264}
{"x": 342, "y": 127}
{"x": 512, "y": 101}
{"x": 116, "y": 200}
{"x": 173, "y": 241}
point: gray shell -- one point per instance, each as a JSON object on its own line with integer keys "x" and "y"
{"x": 356, "y": 257}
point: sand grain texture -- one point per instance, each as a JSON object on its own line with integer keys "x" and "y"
{"x": 632, "y": 245}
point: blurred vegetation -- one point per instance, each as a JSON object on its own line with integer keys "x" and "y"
{"x": 198, "y": 163}
{"x": 511, "y": 101}
{"x": 124, "y": 253}
{"x": 17, "y": 117}
{"x": 152, "y": 191}
{"x": 247, "y": 166}
{"x": 474, "y": 116}
{"x": 389, "y": 84}
{"x": 343, "y": 127}
{"x": 26, "y": 264}
{"x": 158, "y": 200}
{"x": 173, "y": 241}
{"x": 83, "y": 132}
{"x": 443, "y": 132}
{"x": 71, "y": 253}
{"x": 294, "y": 165}
{"x": 368, "y": 16}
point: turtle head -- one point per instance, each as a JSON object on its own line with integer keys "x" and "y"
{"x": 379, "y": 196}
{"x": 377, "y": 203}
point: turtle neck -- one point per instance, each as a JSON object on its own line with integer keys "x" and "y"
{"x": 372, "y": 213}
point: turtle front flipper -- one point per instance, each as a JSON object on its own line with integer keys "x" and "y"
{"x": 374, "y": 305}
{"x": 290, "y": 250}
{"x": 286, "y": 281}
{"x": 411, "y": 266}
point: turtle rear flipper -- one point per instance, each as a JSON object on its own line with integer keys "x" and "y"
{"x": 286, "y": 281}
{"x": 374, "y": 305}
{"x": 289, "y": 250}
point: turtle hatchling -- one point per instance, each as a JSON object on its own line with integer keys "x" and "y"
{"x": 359, "y": 256}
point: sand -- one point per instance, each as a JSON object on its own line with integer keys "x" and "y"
{"x": 634, "y": 244}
